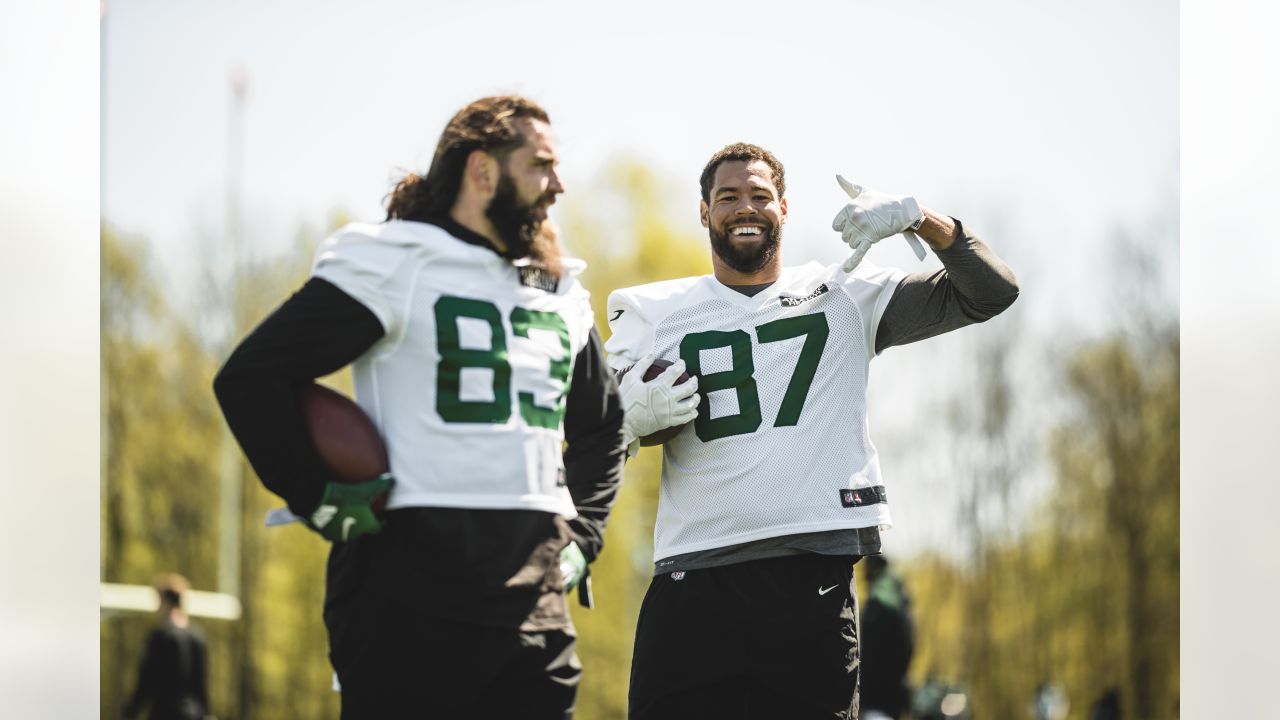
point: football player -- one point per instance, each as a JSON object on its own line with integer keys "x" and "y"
{"x": 474, "y": 353}
{"x": 774, "y": 491}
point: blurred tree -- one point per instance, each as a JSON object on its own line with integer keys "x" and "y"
{"x": 159, "y": 481}
{"x": 161, "y": 489}
{"x": 1085, "y": 593}
{"x": 1118, "y": 464}
{"x": 282, "y": 668}
{"x": 989, "y": 445}
{"x": 622, "y": 228}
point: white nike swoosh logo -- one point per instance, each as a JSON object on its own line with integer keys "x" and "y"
{"x": 824, "y": 592}
{"x": 346, "y": 527}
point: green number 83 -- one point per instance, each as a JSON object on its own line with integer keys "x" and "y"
{"x": 454, "y": 358}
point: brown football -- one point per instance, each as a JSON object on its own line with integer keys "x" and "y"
{"x": 346, "y": 439}
{"x": 654, "y": 371}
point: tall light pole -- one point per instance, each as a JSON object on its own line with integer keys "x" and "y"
{"x": 230, "y": 496}
{"x": 235, "y": 164}
{"x": 104, "y": 429}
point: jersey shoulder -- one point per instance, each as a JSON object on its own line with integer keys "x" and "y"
{"x": 657, "y": 299}
{"x": 633, "y": 312}
{"x": 870, "y": 287}
{"x": 867, "y": 284}
{"x": 383, "y": 242}
{"x": 365, "y": 260}
{"x": 575, "y": 298}
{"x": 872, "y": 274}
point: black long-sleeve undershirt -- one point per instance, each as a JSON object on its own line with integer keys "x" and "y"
{"x": 973, "y": 286}
{"x": 321, "y": 329}
{"x": 317, "y": 331}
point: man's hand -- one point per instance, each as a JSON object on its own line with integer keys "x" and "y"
{"x": 573, "y": 565}
{"x": 345, "y": 511}
{"x": 873, "y": 216}
{"x": 658, "y": 404}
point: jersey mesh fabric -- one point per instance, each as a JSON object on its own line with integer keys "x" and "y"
{"x": 472, "y": 445}
{"x": 773, "y": 480}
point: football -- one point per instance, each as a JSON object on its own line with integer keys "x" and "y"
{"x": 654, "y": 371}
{"x": 346, "y": 439}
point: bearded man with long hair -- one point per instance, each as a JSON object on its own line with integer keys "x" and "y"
{"x": 474, "y": 353}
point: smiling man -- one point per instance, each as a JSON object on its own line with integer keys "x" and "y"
{"x": 774, "y": 491}
{"x": 474, "y": 353}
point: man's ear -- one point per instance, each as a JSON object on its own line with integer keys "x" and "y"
{"x": 482, "y": 169}
{"x": 703, "y": 211}
{"x": 782, "y": 205}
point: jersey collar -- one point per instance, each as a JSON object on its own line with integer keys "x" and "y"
{"x": 752, "y": 302}
{"x": 466, "y": 235}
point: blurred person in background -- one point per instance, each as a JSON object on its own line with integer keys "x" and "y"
{"x": 173, "y": 674}
{"x": 1106, "y": 707}
{"x": 774, "y": 491}
{"x": 888, "y": 642}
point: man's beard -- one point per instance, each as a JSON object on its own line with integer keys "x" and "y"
{"x": 517, "y": 223}
{"x": 750, "y": 258}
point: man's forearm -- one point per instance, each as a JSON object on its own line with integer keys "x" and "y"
{"x": 937, "y": 230}
{"x": 317, "y": 331}
{"x": 974, "y": 286}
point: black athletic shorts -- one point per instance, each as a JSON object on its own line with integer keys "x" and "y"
{"x": 771, "y": 639}
{"x": 425, "y": 669}
{"x": 433, "y": 618}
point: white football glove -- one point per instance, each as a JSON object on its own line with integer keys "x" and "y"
{"x": 872, "y": 217}
{"x": 657, "y": 404}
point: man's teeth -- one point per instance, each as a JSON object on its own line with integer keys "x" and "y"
{"x": 746, "y": 230}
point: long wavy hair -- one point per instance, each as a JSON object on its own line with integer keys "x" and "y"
{"x": 487, "y": 124}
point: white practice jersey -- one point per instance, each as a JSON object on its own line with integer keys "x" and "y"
{"x": 468, "y": 385}
{"x": 780, "y": 445}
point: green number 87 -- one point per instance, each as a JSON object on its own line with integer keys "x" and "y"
{"x": 740, "y": 376}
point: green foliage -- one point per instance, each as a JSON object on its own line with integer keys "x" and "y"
{"x": 164, "y": 439}
{"x": 1087, "y": 595}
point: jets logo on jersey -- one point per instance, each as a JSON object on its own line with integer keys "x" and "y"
{"x": 790, "y": 301}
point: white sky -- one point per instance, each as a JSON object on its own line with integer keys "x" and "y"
{"x": 1049, "y": 122}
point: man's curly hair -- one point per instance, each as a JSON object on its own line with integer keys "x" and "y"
{"x": 747, "y": 152}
